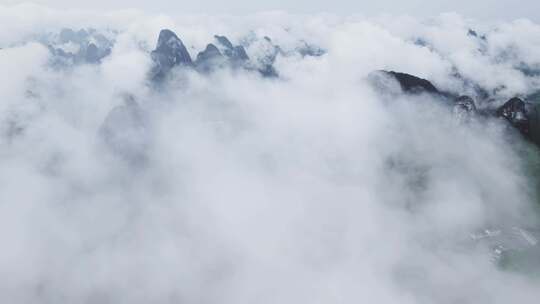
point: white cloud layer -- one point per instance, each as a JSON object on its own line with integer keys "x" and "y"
{"x": 308, "y": 188}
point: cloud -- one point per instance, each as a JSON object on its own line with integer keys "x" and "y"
{"x": 312, "y": 187}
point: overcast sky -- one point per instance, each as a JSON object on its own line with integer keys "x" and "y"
{"x": 479, "y": 9}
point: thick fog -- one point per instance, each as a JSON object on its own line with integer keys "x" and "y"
{"x": 230, "y": 187}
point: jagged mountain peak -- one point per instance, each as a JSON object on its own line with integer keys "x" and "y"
{"x": 224, "y": 41}
{"x": 209, "y": 59}
{"x": 395, "y": 82}
{"x": 170, "y": 51}
{"x": 70, "y": 46}
{"x": 168, "y": 40}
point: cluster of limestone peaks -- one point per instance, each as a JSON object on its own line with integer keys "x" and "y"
{"x": 89, "y": 46}
{"x": 170, "y": 52}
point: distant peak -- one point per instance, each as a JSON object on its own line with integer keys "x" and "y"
{"x": 224, "y": 41}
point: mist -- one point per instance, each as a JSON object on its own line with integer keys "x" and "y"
{"x": 231, "y": 187}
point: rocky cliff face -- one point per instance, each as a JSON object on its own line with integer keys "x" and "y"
{"x": 170, "y": 52}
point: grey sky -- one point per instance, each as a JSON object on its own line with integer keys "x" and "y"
{"x": 478, "y": 9}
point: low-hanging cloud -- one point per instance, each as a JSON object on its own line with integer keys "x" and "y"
{"x": 231, "y": 187}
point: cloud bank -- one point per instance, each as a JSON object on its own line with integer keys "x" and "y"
{"x": 233, "y": 187}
